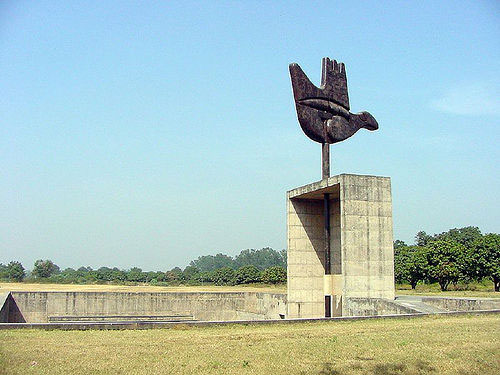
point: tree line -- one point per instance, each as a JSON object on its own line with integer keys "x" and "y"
{"x": 250, "y": 266}
{"x": 458, "y": 255}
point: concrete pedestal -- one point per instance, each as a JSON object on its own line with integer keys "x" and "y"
{"x": 361, "y": 244}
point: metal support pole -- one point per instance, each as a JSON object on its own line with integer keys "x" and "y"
{"x": 326, "y": 210}
{"x": 325, "y": 156}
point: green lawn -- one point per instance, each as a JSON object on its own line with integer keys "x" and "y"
{"x": 466, "y": 344}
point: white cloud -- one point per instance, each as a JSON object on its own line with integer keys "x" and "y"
{"x": 470, "y": 99}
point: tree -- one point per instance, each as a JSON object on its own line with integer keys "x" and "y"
{"x": 118, "y": 275}
{"x": 262, "y": 259}
{"x": 398, "y": 244}
{"x": 15, "y": 271}
{"x": 174, "y": 274}
{"x": 204, "y": 277}
{"x": 247, "y": 274}
{"x": 445, "y": 261}
{"x": 417, "y": 265}
{"x": 135, "y": 274}
{"x": 274, "y": 275}
{"x": 487, "y": 257}
{"x": 190, "y": 273}
{"x": 224, "y": 276}
{"x": 208, "y": 263}
{"x": 104, "y": 274}
{"x": 422, "y": 238}
{"x": 45, "y": 268}
{"x": 467, "y": 236}
{"x": 4, "y": 271}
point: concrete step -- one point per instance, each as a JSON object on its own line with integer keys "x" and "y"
{"x": 120, "y": 318}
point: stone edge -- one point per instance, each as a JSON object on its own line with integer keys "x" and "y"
{"x": 167, "y": 325}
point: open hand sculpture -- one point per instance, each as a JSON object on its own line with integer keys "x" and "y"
{"x": 323, "y": 112}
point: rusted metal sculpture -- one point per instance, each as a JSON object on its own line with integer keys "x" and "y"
{"x": 324, "y": 116}
{"x": 323, "y": 112}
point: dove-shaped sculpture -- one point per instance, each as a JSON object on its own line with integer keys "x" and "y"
{"x": 323, "y": 112}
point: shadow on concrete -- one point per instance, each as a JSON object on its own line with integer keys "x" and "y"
{"x": 305, "y": 209}
{"x": 9, "y": 312}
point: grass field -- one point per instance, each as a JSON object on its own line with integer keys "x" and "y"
{"x": 465, "y": 344}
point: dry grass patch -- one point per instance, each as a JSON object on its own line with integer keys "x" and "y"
{"x": 34, "y": 287}
{"x": 467, "y": 344}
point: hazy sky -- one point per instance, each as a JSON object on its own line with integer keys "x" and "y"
{"x": 147, "y": 134}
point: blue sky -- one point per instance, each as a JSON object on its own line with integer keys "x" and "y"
{"x": 147, "y": 134}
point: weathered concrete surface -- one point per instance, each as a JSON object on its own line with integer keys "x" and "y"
{"x": 416, "y": 303}
{"x": 462, "y": 303}
{"x": 4, "y": 307}
{"x": 375, "y": 306}
{"x": 362, "y": 255}
{"x": 9, "y": 312}
{"x": 164, "y": 325}
{"x": 39, "y": 306}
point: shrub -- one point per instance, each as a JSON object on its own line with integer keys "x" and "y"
{"x": 224, "y": 276}
{"x": 247, "y": 274}
{"x": 274, "y": 275}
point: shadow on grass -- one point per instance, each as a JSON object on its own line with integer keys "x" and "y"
{"x": 419, "y": 368}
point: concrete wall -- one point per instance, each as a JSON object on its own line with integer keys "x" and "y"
{"x": 4, "y": 307}
{"x": 39, "y": 306}
{"x": 374, "y": 307}
{"x": 463, "y": 304}
{"x": 361, "y": 244}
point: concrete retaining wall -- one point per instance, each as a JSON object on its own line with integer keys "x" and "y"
{"x": 463, "y": 304}
{"x": 374, "y": 307}
{"x": 37, "y": 307}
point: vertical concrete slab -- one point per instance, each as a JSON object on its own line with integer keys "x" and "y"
{"x": 362, "y": 259}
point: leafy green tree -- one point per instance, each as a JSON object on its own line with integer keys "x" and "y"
{"x": 16, "y": 271}
{"x": 204, "y": 277}
{"x": 274, "y": 275}
{"x": 69, "y": 275}
{"x": 487, "y": 257}
{"x": 190, "y": 273}
{"x": 422, "y": 238}
{"x": 4, "y": 271}
{"x": 399, "y": 244}
{"x": 104, "y": 274}
{"x": 118, "y": 275}
{"x": 174, "y": 275}
{"x": 160, "y": 276}
{"x": 445, "y": 261}
{"x": 417, "y": 265}
{"x": 283, "y": 255}
{"x": 262, "y": 259}
{"x": 467, "y": 236}
{"x": 247, "y": 274}
{"x": 224, "y": 276}
{"x": 208, "y": 263}
{"x": 44, "y": 268}
{"x": 400, "y": 262}
{"x": 135, "y": 274}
